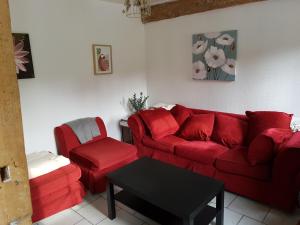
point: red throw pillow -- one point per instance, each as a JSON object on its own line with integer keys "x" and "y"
{"x": 181, "y": 113}
{"x": 229, "y": 131}
{"x": 160, "y": 122}
{"x": 260, "y": 150}
{"x": 198, "y": 127}
{"x": 261, "y": 120}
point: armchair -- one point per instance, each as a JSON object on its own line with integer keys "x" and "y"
{"x": 97, "y": 157}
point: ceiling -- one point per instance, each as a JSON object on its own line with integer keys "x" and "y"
{"x": 153, "y": 2}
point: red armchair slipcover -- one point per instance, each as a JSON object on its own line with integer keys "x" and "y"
{"x": 97, "y": 157}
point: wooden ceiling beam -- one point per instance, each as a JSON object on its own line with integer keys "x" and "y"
{"x": 178, "y": 8}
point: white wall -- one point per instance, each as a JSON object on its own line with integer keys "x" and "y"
{"x": 268, "y": 76}
{"x": 62, "y": 33}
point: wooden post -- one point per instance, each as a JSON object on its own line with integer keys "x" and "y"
{"x": 177, "y": 8}
{"x": 15, "y": 201}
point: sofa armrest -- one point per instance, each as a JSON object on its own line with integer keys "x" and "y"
{"x": 298, "y": 182}
{"x": 137, "y": 127}
{"x": 65, "y": 139}
{"x": 286, "y": 167}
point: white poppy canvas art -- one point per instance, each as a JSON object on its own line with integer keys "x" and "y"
{"x": 214, "y": 56}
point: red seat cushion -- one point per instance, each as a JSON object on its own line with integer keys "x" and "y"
{"x": 166, "y": 144}
{"x": 198, "y": 127}
{"x": 103, "y": 154}
{"x": 204, "y": 152}
{"x": 229, "y": 131}
{"x": 261, "y": 120}
{"x": 235, "y": 161}
{"x": 181, "y": 113}
{"x": 160, "y": 122}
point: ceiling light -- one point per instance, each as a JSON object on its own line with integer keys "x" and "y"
{"x": 137, "y": 8}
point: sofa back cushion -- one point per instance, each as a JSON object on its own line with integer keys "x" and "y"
{"x": 260, "y": 121}
{"x": 229, "y": 131}
{"x": 181, "y": 114}
{"x": 198, "y": 127}
{"x": 160, "y": 122}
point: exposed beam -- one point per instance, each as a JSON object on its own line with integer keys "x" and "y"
{"x": 178, "y": 8}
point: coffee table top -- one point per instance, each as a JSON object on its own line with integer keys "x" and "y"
{"x": 178, "y": 191}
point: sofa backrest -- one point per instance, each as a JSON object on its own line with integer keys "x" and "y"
{"x": 66, "y": 139}
{"x": 139, "y": 129}
{"x": 239, "y": 116}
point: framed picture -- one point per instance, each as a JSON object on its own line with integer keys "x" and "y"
{"x": 214, "y": 56}
{"x": 102, "y": 57}
{"x": 23, "y": 58}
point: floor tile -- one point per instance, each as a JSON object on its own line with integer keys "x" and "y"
{"x": 88, "y": 198}
{"x": 247, "y": 221}
{"x": 61, "y": 218}
{"x": 213, "y": 204}
{"x": 94, "y": 212}
{"x": 228, "y": 198}
{"x": 123, "y": 218}
{"x": 249, "y": 208}
{"x": 126, "y": 208}
{"x": 276, "y": 217}
{"x": 83, "y": 222}
{"x": 230, "y": 217}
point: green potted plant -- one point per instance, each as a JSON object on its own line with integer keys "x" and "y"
{"x": 138, "y": 103}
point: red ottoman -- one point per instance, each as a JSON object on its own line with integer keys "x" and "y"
{"x": 56, "y": 191}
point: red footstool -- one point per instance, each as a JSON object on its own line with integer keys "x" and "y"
{"x": 56, "y": 191}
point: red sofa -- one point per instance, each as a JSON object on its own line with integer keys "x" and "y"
{"x": 225, "y": 154}
{"x": 97, "y": 157}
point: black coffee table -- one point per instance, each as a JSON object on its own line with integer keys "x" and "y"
{"x": 167, "y": 194}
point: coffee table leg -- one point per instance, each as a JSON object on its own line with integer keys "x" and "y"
{"x": 111, "y": 201}
{"x": 220, "y": 208}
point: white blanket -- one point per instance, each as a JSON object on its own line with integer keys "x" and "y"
{"x": 40, "y": 163}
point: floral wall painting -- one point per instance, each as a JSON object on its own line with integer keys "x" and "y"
{"x": 23, "y": 58}
{"x": 214, "y": 56}
{"x": 102, "y": 56}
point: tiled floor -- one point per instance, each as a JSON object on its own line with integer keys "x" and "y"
{"x": 238, "y": 211}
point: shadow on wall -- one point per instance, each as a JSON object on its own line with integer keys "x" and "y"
{"x": 112, "y": 125}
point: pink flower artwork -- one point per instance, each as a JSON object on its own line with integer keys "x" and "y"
{"x": 23, "y": 58}
{"x": 20, "y": 58}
